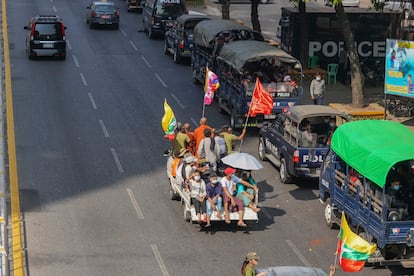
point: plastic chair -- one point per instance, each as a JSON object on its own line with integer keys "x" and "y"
{"x": 313, "y": 61}
{"x": 332, "y": 70}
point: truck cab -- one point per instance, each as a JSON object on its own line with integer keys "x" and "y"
{"x": 282, "y": 142}
{"x": 359, "y": 176}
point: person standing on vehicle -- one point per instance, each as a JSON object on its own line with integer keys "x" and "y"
{"x": 229, "y": 137}
{"x": 221, "y": 142}
{"x": 209, "y": 149}
{"x": 190, "y": 146}
{"x": 199, "y": 133}
{"x": 214, "y": 200}
{"x": 317, "y": 89}
{"x": 198, "y": 195}
{"x": 181, "y": 140}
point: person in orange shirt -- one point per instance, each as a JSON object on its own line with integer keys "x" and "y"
{"x": 199, "y": 133}
{"x": 191, "y": 146}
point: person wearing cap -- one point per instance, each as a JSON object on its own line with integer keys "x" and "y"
{"x": 317, "y": 89}
{"x": 228, "y": 183}
{"x": 186, "y": 169}
{"x": 214, "y": 200}
{"x": 249, "y": 263}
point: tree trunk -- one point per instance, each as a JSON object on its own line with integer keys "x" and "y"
{"x": 225, "y": 9}
{"x": 254, "y": 15}
{"x": 304, "y": 34}
{"x": 357, "y": 81}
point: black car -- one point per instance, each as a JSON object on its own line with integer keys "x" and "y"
{"x": 134, "y": 5}
{"x": 102, "y": 14}
{"x": 179, "y": 38}
{"x": 159, "y": 14}
{"x": 46, "y": 37}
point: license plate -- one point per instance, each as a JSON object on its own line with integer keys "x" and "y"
{"x": 283, "y": 94}
{"x": 47, "y": 45}
{"x": 105, "y": 16}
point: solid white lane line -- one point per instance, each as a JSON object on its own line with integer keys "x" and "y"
{"x": 83, "y": 79}
{"x": 92, "y": 101}
{"x": 68, "y": 43}
{"x": 160, "y": 80}
{"x": 133, "y": 45}
{"x": 135, "y": 204}
{"x": 105, "y": 131}
{"x": 297, "y": 252}
{"x": 75, "y": 60}
{"x": 159, "y": 260}
{"x": 194, "y": 121}
{"x": 116, "y": 160}
{"x": 123, "y": 32}
{"x": 177, "y": 100}
{"x": 146, "y": 61}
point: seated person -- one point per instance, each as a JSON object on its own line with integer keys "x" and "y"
{"x": 247, "y": 194}
{"x": 332, "y": 128}
{"x": 395, "y": 195}
{"x": 214, "y": 200}
{"x": 306, "y": 134}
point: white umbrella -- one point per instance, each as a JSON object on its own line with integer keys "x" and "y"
{"x": 242, "y": 160}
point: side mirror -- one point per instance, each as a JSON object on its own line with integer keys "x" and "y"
{"x": 88, "y": 7}
{"x": 25, "y": 27}
{"x": 65, "y": 27}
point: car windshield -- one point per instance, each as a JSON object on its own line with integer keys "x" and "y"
{"x": 191, "y": 24}
{"x": 104, "y": 8}
{"x": 169, "y": 8}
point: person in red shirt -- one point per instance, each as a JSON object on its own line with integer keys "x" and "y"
{"x": 199, "y": 133}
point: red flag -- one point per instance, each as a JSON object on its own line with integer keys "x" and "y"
{"x": 262, "y": 102}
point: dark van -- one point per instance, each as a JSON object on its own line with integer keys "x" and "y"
{"x": 159, "y": 14}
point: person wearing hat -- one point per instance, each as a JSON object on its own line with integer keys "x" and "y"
{"x": 317, "y": 89}
{"x": 249, "y": 263}
{"x": 214, "y": 200}
{"x": 228, "y": 183}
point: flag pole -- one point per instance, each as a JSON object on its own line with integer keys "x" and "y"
{"x": 205, "y": 89}
{"x": 248, "y": 115}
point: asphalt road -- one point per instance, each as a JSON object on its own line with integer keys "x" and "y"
{"x": 91, "y": 171}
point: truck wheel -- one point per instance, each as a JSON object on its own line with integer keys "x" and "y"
{"x": 151, "y": 33}
{"x": 172, "y": 194}
{"x": 187, "y": 214}
{"x": 262, "y": 149}
{"x": 165, "y": 49}
{"x": 329, "y": 215}
{"x": 285, "y": 177}
{"x": 176, "y": 57}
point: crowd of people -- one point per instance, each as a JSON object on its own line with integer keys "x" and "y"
{"x": 196, "y": 156}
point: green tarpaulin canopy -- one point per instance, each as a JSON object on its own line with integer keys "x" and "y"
{"x": 373, "y": 147}
{"x": 238, "y": 53}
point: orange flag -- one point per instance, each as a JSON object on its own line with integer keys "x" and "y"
{"x": 262, "y": 101}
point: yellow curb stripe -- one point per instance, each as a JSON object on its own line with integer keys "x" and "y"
{"x": 17, "y": 248}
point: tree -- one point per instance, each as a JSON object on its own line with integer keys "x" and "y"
{"x": 225, "y": 9}
{"x": 254, "y": 16}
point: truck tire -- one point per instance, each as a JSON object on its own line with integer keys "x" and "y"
{"x": 262, "y": 149}
{"x": 165, "y": 49}
{"x": 176, "y": 57}
{"x": 173, "y": 195}
{"x": 285, "y": 177}
{"x": 151, "y": 34}
{"x": 187, "y": 214}
{"x": 329, "y": 214}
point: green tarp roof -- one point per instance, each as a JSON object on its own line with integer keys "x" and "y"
{"x": 238, "y": 53}
{"x": 373, "y": 147}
